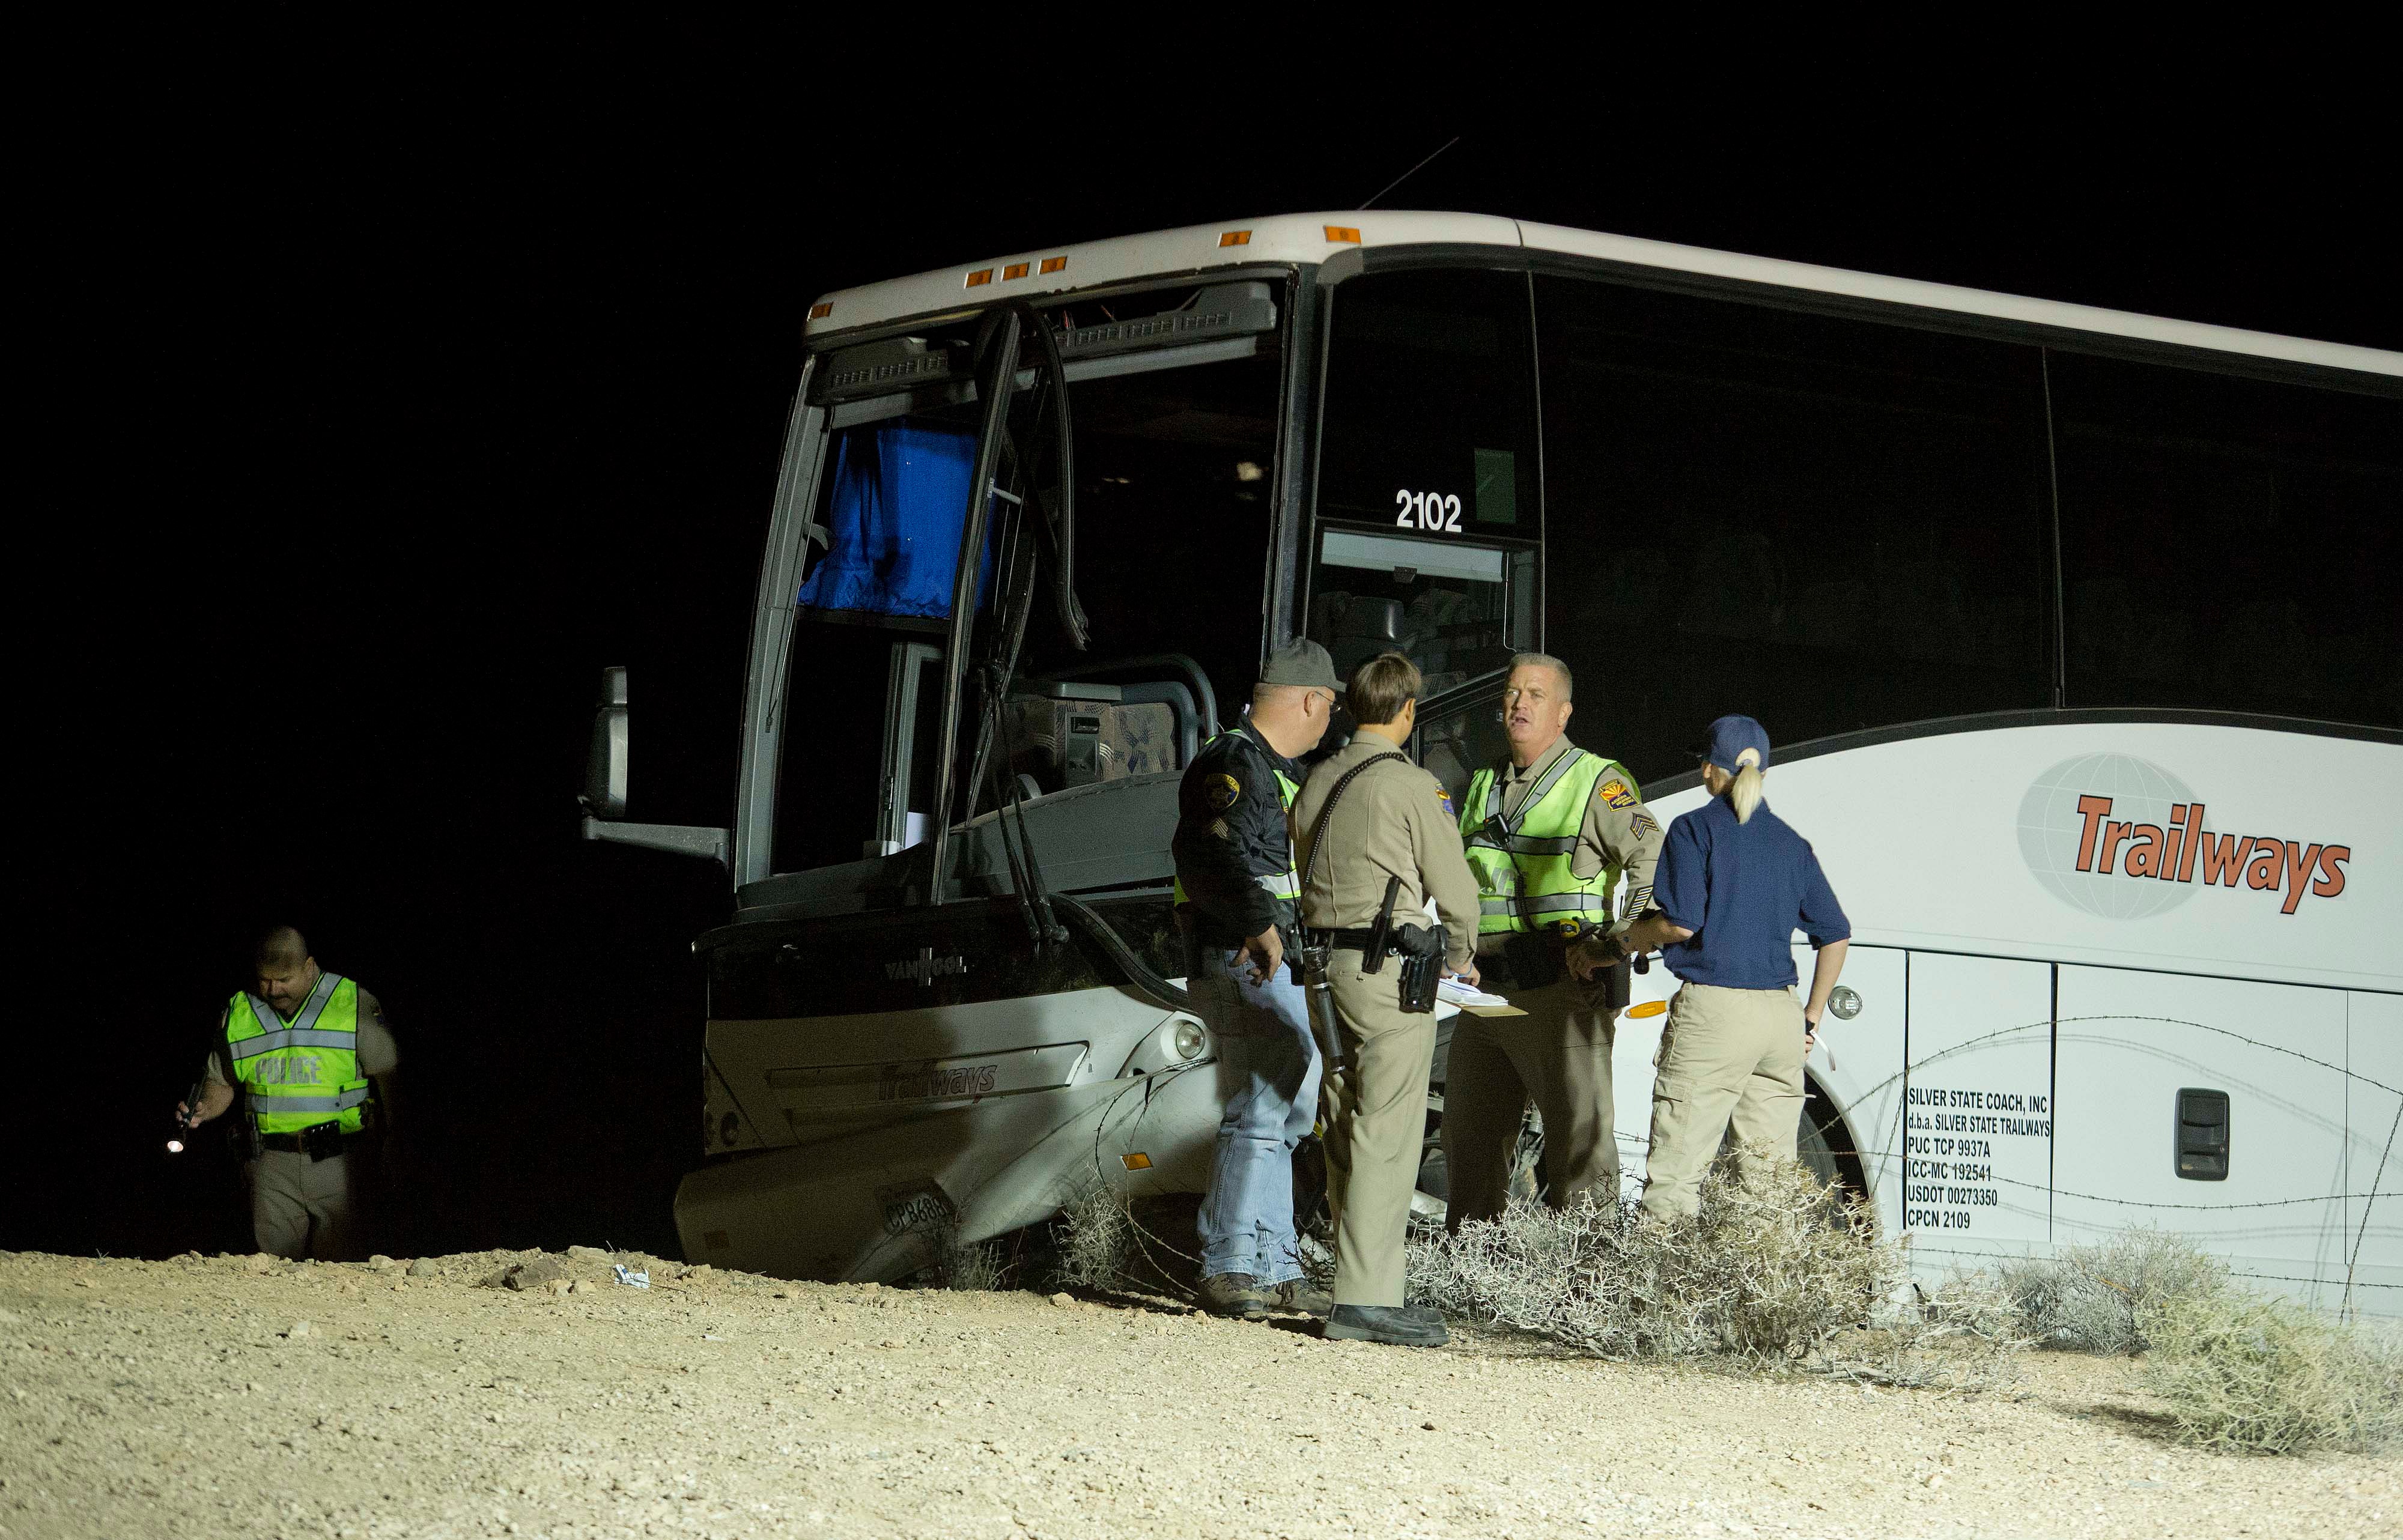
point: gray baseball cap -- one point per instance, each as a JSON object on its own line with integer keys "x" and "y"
{"x": 1301, "y": 662}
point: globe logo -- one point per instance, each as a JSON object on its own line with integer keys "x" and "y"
{"x": 2051, "y": 828}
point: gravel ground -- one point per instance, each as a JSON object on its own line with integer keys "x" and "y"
{"x": 224, "y": 1396}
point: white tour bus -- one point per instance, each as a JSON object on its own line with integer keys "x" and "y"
{"x": 2074, "y": 631}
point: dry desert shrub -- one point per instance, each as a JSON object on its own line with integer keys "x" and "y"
{"x": 2238, "y": 1370}
{"x": 954, "y": 1262}
{"x": 976, "y": 1268}
{"x": 1959, "y": 1336}
{"x": 1771, "y": 1269}
{"x": 2097, "y": 1299}
{"x": 2260, "y": 1374}
{"x": 1095, "y": 1235}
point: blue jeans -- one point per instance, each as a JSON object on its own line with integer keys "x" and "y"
{"x": 1267, "y": 1067}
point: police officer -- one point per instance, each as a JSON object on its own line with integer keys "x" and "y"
{"x": 303, "y": 1048}
{"x": 1235, "y": 892}
{"x": 1735, "y": 882}
{"x": 1390, "y": 820}
{"x": 1550, "y": 833}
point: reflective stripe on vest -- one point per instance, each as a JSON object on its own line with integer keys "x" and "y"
{"x": 1286, "y": 884}
{"x": 1524, "y": 876}
{"x": 304, "y": 1074}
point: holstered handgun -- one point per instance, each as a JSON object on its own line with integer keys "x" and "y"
{"x": 1610, "y": 989}
{"x": 1422, "y": 949}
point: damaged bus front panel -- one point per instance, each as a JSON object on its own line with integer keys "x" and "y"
{"x": 1022, "y": 557}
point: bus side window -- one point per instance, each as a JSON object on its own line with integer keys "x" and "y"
{"x": 1829, "y": 523}
{"x": 2229, "y": 544}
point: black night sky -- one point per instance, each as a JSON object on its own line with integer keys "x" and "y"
{"x": 375, "y": 413}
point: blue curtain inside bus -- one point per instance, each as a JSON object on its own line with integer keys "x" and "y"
{"x": 900, "y": 493}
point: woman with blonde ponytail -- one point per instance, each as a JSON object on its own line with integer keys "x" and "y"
{"x": 1734, "y": 882}
{"x": 1744, "y": 793}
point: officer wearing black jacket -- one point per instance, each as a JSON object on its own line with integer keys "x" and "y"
{"x": 1235, "y": 892}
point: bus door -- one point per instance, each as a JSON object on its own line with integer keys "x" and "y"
{"x": 1430, "y": 522}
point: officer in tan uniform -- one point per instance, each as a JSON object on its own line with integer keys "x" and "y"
{"x": 304, "y": 1047}
{"x": 1551, "y": 832}
{"x": 1390, "y": 820}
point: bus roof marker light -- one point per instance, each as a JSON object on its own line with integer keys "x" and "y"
{"x": 1053, "y": 264}
{"x": 823, "y": 309}
{"x": 1343, "y": 234}
{"x": 1015, "y": 270}
{"x": 1234, "y": 238}
{"x": 980, "y": 278}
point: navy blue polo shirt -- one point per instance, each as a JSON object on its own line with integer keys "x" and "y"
{"x": 1744, "y": 890}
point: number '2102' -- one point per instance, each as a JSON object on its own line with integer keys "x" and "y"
{"x": 1427, "y": 510}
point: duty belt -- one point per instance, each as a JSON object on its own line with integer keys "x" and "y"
{"x": 1542, "y": 905}
{"x": 320, "y": 1142}
{"x": 1359, "y": 941}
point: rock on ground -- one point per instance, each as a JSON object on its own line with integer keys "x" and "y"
{"x": 142, "y": 1398}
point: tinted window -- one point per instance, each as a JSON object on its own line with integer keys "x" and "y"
{"x": 1824, "y": 523}
{"x": 1430, "y": 389}
{"x": 2229, "y": 544}
{"x": 1428, "y": 454}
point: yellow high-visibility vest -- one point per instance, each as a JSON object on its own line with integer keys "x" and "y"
{"x": 303, "y": 1071}
{"x": 1524, "y": 879}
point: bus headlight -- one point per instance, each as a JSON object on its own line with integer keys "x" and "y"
{"x": 1189, "y": 1040}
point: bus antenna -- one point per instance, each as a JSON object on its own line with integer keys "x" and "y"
{"x": 1412, "y": 172}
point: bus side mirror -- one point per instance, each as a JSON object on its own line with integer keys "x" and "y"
{"x": 605, "y": 768}
{"x": 604, "y": 788}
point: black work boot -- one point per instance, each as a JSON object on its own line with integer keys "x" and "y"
{"x": 1235, "y": 1294}
{"x": 1397, "y": 1325}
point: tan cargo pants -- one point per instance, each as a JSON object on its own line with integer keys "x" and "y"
{"x": 300, "y": 1207}
{"x": 1729, "y": 1059}
{"x": 1376, "y": 1126}
{"x": 1559, "y": 1055}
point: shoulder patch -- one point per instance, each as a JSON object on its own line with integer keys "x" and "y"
{"x": 1618, "y": 793}
{"x": 1221, "y": 791}
{"x": 1642, "y": 823}
{"x": 1443, "y": 800}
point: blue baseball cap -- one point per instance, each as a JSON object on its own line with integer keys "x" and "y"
{"x": 1730, "y": 736}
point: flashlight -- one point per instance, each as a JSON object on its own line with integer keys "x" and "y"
{"x": 183, "y": 1119}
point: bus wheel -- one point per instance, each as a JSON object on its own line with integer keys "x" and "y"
{"x": 1817, "y": 1154}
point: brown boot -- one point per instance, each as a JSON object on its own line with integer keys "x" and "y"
{"x": 1298, "y": 1296}
{"x": 1237, "y": 1295}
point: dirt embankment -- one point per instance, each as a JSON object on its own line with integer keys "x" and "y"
{"x": 187, "y": 1397}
